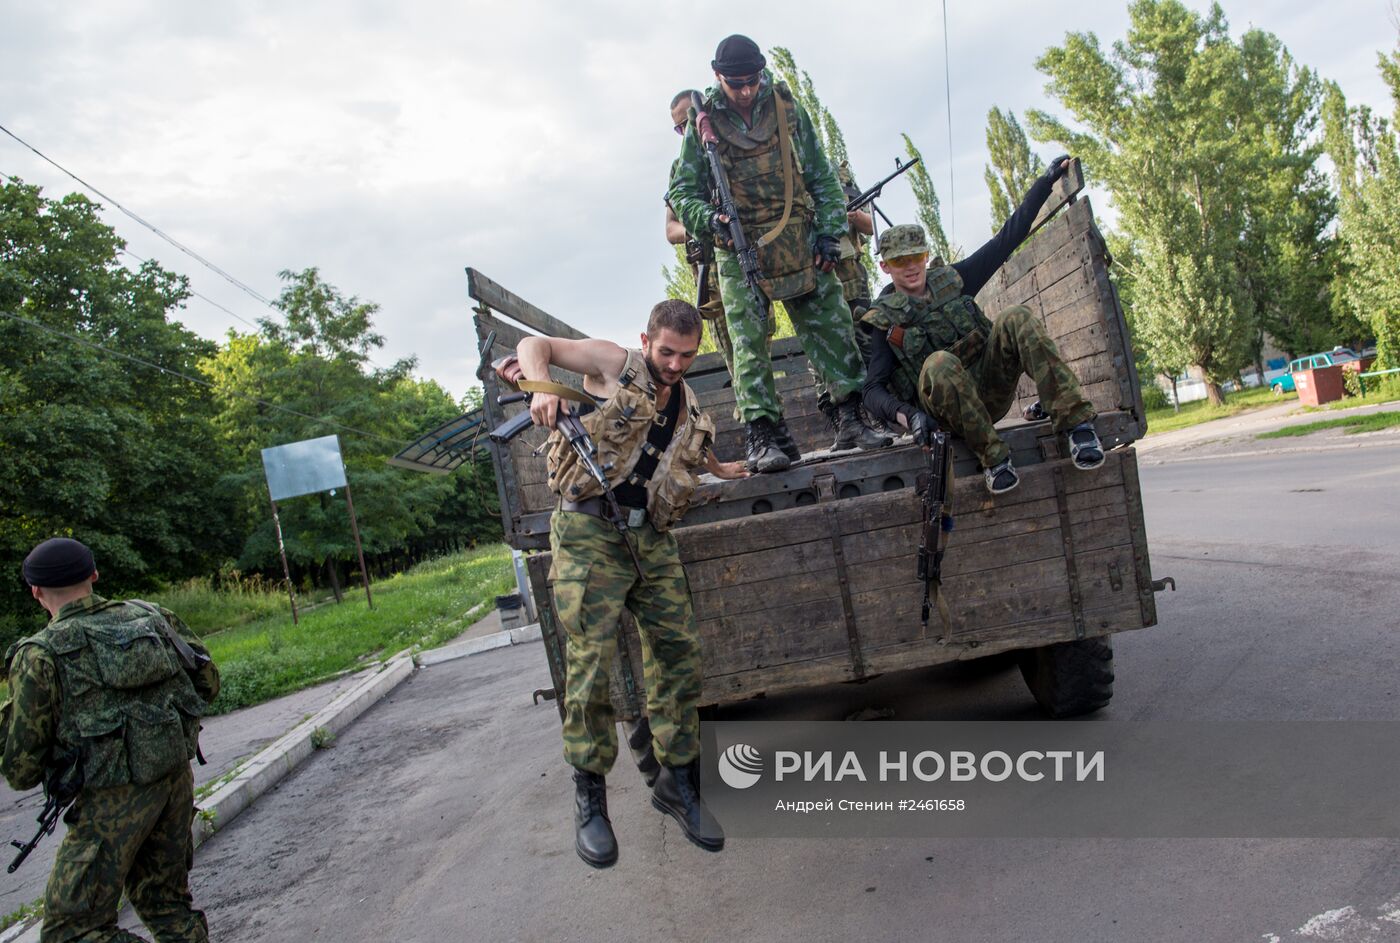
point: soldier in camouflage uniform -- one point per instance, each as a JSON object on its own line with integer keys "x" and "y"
{"x": 104, "y": 680}
{"x": 792, "y": 210}
{"x": 652, "y": 437}
{"x": 934, "y": 357}
{"x": 701, "y": 256}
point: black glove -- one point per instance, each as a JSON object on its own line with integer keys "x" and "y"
{"x": 1057, "y": 168}
{"x": 720, "y": 228}
{"x": 922, "y": 426}
{"x": 829, "y": 248}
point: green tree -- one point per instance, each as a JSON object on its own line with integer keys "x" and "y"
{"x": 926, "y": 197}
{"x": 313, "y": 367}
{"x": 1365, "y": 151}
{"x": 96, "y": 447}
{"x": 1287, "y": 257}
{"x": 1012, "y": 168}
{"x": 1174, "y": 134}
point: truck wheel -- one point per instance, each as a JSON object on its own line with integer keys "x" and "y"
{"x": 1070, "y": 678}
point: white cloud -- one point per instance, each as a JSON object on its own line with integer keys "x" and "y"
{"x": 393, "y": 145}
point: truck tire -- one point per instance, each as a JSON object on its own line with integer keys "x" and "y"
{"x": 1070, "y": 678}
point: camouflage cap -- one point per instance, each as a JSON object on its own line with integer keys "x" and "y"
{"x": 904, "y": 239}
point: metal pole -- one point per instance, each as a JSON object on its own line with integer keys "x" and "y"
{"x": 355, "y": 529}
{"x": 282, "y": 549}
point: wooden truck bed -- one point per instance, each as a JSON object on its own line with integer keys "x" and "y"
{"x": 808, "y": 576}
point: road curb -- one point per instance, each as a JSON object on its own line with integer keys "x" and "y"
{"x": 484, "y": 643}
{"x": 275, "y": 761}
{"x": 1148, "y": 459}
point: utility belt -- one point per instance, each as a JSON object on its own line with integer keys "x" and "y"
{"x": 597, "y": 507}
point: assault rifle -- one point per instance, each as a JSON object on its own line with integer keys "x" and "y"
{"x": 933, "y": 489}
{"x": 860, "y": 201}
{"x": 747, "y": 253}
{"x": 571, "y": 428}
{"x": 62, "y": 782}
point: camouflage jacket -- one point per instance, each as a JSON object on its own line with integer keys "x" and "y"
{"x": 62, "y": 705}
{"x": 690, "y": 189}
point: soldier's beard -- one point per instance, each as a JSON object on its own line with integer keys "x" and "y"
{"x": 656, "y": 373}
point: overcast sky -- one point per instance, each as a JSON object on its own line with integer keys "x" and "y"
{"x": 393, "y": 144}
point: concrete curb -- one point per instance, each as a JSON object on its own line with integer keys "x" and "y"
{"x": 484, "y": 643}
{"x": 1148, "y": 459}
{"x": 280, "y": 757}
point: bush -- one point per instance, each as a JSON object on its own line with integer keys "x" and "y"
{"x": 1154, "y": 397}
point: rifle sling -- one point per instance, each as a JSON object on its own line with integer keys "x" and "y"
{"x": 785, "y": 149}
{"x": 558, "y": 389}
{"x": 188, "y": 657}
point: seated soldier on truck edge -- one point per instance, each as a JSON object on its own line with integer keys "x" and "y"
{"x": 935, "y": 358}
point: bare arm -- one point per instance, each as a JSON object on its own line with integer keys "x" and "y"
{"x": 861, "y": 222}
{"x": 724, "y": 470}
{"x": 599, "y": 361}
{"x": 675, "y": 229}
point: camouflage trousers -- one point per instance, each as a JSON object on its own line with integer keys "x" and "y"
{"x": 713, "y": 313}
{"x": 594, "y": 580}
{"x": 823, "y": 325}
{"x": 132, "y": 838}
{"x": 968, "y": 400}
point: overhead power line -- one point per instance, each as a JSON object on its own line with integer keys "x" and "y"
{"x": 198, "y": 380}
{"x": 205, "y": 298}
{"x": 948, "y": 109}
{"x": 242, "y": 286}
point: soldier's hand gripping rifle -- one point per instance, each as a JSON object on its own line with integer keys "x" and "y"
{"x": 62, "y": 782}
{"x": 571, "y": 428}
{"x": 724, "y": 197}
{"x": 868, "y": 198}
{"x": 933, "y": 489}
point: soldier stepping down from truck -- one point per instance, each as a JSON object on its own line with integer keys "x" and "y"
{"x": 649, "y": 439}
{"x": 936, "y": 359}
{"x": 777, "y": 237}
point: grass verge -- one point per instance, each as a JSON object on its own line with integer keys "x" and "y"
{"x": 1371, "y": 422}
{"x": 1191, "y": 414}
{"x": 423, "y": 607}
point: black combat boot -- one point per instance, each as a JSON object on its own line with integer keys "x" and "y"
{"x": 593, "y": 835}
{"x": 760, "y": 448}
{"x": 851, "y": 430}
{"x": 677, "y": 793}
{"x": 783, "y": 440}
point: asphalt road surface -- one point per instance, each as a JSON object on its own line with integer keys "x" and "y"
{"x": 445, "y": 813}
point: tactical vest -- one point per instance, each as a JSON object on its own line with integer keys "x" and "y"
{"x": 942, "y": 319}
{"x": 753, "y": 161}
{"x": 619, "y": 428}
{"x": 855, "y": 282}
{"x": 128, "y": 706}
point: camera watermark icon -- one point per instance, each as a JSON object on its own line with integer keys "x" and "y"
{"x": 740, "y": 766}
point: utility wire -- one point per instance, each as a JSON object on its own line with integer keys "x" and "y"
{"x": 258, "y": 296}
{"x": 242, "y": 286}
{"x": 948, "y": 108}
{"x": 205, "y": 298}
{"x": 198, "y": 380}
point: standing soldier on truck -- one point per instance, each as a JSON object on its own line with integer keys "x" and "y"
{"x": 934, "y": 357}
{"x": 651, "y": 440}
{"x": 701, "y": 256}
{"x": 790, "y": 205}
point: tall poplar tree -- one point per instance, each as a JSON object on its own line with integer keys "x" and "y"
{"x": 1012, "y": 168}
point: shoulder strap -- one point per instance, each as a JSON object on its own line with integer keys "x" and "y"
{"x": 780, "y": 104}
{"x": 191, "y": 659}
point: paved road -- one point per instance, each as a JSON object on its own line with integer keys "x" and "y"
{"x": 444, "y": 813}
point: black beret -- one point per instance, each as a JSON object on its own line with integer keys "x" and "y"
{"x": 60, "y": 561}
{"x": 738, "y": 55}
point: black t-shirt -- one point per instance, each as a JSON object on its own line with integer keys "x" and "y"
{"x": 632, "y": 492}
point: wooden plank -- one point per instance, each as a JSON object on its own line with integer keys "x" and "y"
{"x": 1062, "y": 192}
{"x": 737, "y": 569}
{"x": 802, "y": 630}
{"x": 516, "y": 308}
